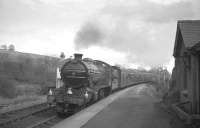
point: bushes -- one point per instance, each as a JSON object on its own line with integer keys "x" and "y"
{"x": 7, "y": 88}
{"x": 28, "y": 68}
{"x": 26, "y": 74}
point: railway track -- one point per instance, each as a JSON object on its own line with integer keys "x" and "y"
{"x": 47, "y": 123}
{"x": 24, "y": 117}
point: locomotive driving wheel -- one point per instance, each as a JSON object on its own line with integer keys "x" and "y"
{"x": 101, "y": 94}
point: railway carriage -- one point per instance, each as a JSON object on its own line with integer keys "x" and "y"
{"x": 116, "y": 78}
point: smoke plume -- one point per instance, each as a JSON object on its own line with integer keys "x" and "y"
{"x": 144, "y": 33}
{"x": 89, "y": 34}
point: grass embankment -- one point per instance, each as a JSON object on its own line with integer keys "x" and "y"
{"x": 12, "y": 92}
{"x": 25, "y": 76}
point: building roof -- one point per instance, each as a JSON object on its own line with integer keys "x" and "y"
{"x": 190, "y": 32}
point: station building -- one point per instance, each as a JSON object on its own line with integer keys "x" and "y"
{"x": 186, "y": 73}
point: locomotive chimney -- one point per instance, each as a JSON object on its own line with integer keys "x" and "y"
{"x": 78, "y": 56}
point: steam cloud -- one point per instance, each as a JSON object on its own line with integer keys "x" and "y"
{"x": 147, "y": 34}
{"x": 89, "y": 34}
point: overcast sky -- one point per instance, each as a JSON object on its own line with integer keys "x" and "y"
{"x": 126, "y": 32}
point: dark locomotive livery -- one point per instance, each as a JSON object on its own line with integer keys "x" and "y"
{"x": 83, "y": 81}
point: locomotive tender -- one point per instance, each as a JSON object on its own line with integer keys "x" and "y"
{"x": 83, "y": 81}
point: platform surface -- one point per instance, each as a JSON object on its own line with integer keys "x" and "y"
{"x": 135, "y": 107}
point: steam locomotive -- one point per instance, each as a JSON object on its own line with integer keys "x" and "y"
{"x": 83, "y": 81}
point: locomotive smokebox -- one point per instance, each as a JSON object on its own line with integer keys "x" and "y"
{"x": 78, "y": 56}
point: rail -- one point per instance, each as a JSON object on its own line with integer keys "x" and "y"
{"x": 17, "y": 115}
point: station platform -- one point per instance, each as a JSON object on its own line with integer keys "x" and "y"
{"x": 134, "y": 107}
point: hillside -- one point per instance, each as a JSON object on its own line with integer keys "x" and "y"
{"x": 25, "y": 72}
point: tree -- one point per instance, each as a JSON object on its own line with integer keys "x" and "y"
{"x": 4, "y": 47}
{"x": 11, "y": 47}
{"x": 62, "y": 55}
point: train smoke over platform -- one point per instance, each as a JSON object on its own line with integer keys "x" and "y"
{"x": 138, "y": 44}
{"x": 140, "y": 29}
{"x": 89, "y": 34}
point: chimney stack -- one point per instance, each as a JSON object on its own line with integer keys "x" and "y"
{"x": 78, "y": 56}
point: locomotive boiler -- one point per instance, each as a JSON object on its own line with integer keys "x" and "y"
{"x": 83, "y": 81}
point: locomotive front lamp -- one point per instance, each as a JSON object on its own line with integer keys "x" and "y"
{"x": 69, "y": 91}
{"x": 50, "y": 92}
{"x": 86, "y": 94}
